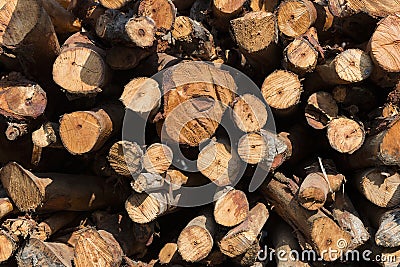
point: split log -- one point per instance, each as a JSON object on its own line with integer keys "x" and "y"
{"x": 125, "y": 29}
{"x": 144, "y": 208}
{"x": 52, "y": 224}
{"x": 56, "y": 192}
{"x": 295, "y": 17}
{"x": 224, "y": 11}
{"x": 380, "y": 185}
{"x": 256, "y": 35}
{"x": 195, "y": 241}
{"x": 36, "y": 252}
{"x": 321, "y": 109}
{"x": 87, "y": 131}
{"x": 300, "y": 57}
{"x": 371, "y": 7}
{"x": 384, "y": 42}
{"x": 282, "y": 90}
{"x": 126, "y": 58}
{"x": 219, "y": 163}
{"x": 320, "y": 231}
{"x": 63, "y": 20}
{"x": 263, "y": 5}
{"x": 193, "y": 39}
{"x": 249, "y": 113}
{"x": 21, "y": 99}
{"x": 157, "y": 158}
{"x": 143, "y": 96}
{"x": 387, "y": 234}
{"x": 97, "y": 247}
{"x": 80, "y": 69}
{"x": 163, "y": 13}
{"x": 238, "y": 240}
{"x": 146, "y": 182}
{"x": 345, "y": 135}
{"x": 26, "y": 27}
{"x": 114, "y": 4}
{"x": 48, "y": 135}
{"x": 350, "y": 66}
{"x": 231, "y": 207}
{"x": 125, "y": 158}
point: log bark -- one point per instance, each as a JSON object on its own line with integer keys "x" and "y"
{"x": 195, "y": 241}
{"x": 26, "y": 27}
{"x": 249, "y": 113}
{"x": 80, "y": 69}
{"x": 193, "y": 39}
{"x": 300, "y": 57}
{"x": 320, "y": 231}
{"x": 238, "y": 240}
{"x": 125, "y": 158}
{"x": 295, "y": 17}
{"x": 224, "y": 12}
{"x": 63, "y": 20}
{"x": 36, "y": 252}
{"x": 350, "y": 66}
{"x": 231, "y": 207}
{"x": 282, "y": 90}
{"x": 345, "y": 135}
{"x": 380, "y": 185}
{"x": 52, "y": 224}
{"x": 97, "y": 247}
{"x": 126, "y": 58}
{"x": 86, "y": 131}
{"x": 157, "y": 158}
{"x": 162, "y": 12}
{"x": 126, "y": 29}
{"x": 387, "y": 234}
{"x": 56, "y": 192}
{"x": 219, "y": 163}
{"x": 321, "y": 109}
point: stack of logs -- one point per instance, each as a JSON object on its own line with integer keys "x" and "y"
{"x": 74, "y": 192}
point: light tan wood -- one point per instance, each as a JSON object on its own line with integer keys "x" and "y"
{"x": 163, "y": 13}
{"x": 168, "y": 253}
{"x": 300, "y": 56}
{"x": 224, "y": 11}
{"x": 231, "y": 207}
{"x": 263, "y": 5}
{"x": 345, "y": 135}
{"x": 157, "y": 158}
{"x": 125, "y": 158}
{"x": 249, "y": 113}
{"x": 114, "y": 4}
{"x": 313, "y": 191}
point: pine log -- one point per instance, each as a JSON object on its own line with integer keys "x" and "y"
{"x": 142, "y": 95}
{"x": 163, "y": 13}
{"x": 125, "y": 158}
{"x": 350, "y": 66}
{"x": 193, "y": 39}
{"x": 21, "y": 99}
{"x": 97, "y": 248}
{"x": 263, "y": 5}
{"x": 373, "y": 8}
{"x": 157, "y": 158}
{"x": 126, "y": 58}
{"x": 313, "y": 191}
{"x": 87, "y": 131}
{"x": 26, "y": 27}
{"x": 238, "y": 240}
{"x": 125, "y": 29}
{"x": 63, "y": 20}
{"x": 295, "y": 17}
{"x": 345, "y": 135}
{"x": 388, "y": 234}
{"x": 80, "y": 69}
{"x": 144, "y": 208}
{"x": 219, "y": 163}
{"x": 225, "y": 11}
{"x": 320, "y": 231}
{"x": 321, "y": 109}
{"x": 195, "y": 98}
{"x": 56, "y": 192}
{"x": 300, "y": 57}
{"x": 256, "y": 35}
{"x": 380, "y": 185}
{"x": 384, "y": 44}
{"x": 282, "y": 90}
{"x": 36, "y": 252}
{"x": 196, "y": 240}
{"x": 146, "y": 182}
{"x": 249, "y": 113}
{"x": 52, "y": 224}
{"x": 114, "y": 4}
{"x": 231, "y": 207}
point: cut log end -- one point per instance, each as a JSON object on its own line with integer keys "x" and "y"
{"x": 141, "y": 31}
{"x": 249, "y": 113}
{"x": 162, "y": 12}
{"x": 253, "y": 148}
{"x": 113, "y": 4}
{"x": 8, "y": 246}
{"x": 353, "y": 65}
{"x": 125, "y": 158}
{"x": 345, "y": 135}
{"x": 231, "y": 209}
{"x": 144, "y": 208}
{"x": 167, "y": 253}
{"x": 301, "y": 57}
{"x": 313, "y": 191}
{"x": 158, "y": 158}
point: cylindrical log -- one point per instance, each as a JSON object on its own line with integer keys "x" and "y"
{"x": 6, "y": 207}
{"x": 296, "y": 16}
{"x": 231, "y": 207}
{"x": 300, "y": 57}
{"x": 9, "y": 245}
{"x": 125, "y": 158}
{"x": 80, "y": 69}
{"x": 87, "y": 131}
{"x": 282, "y": 90}
{"x": 163, "y": 13}
{"x": 313, "y": 191}
{"x": 193, "y": 38}
{"x": 345, "y": 135}
{"x": 225, "y": 11}
{"x": 56, "y": 192}
{"x": 320, "y": 110}
{"x": 239, "y": 239}
{"x": 126, "y": 58}
{"x": 249, "y": 113}
{"x": 350, "y": 66}
{"x": 196, "y": 239}
{"x": 52, "y": 224}
{"x": 157, "y": 158}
